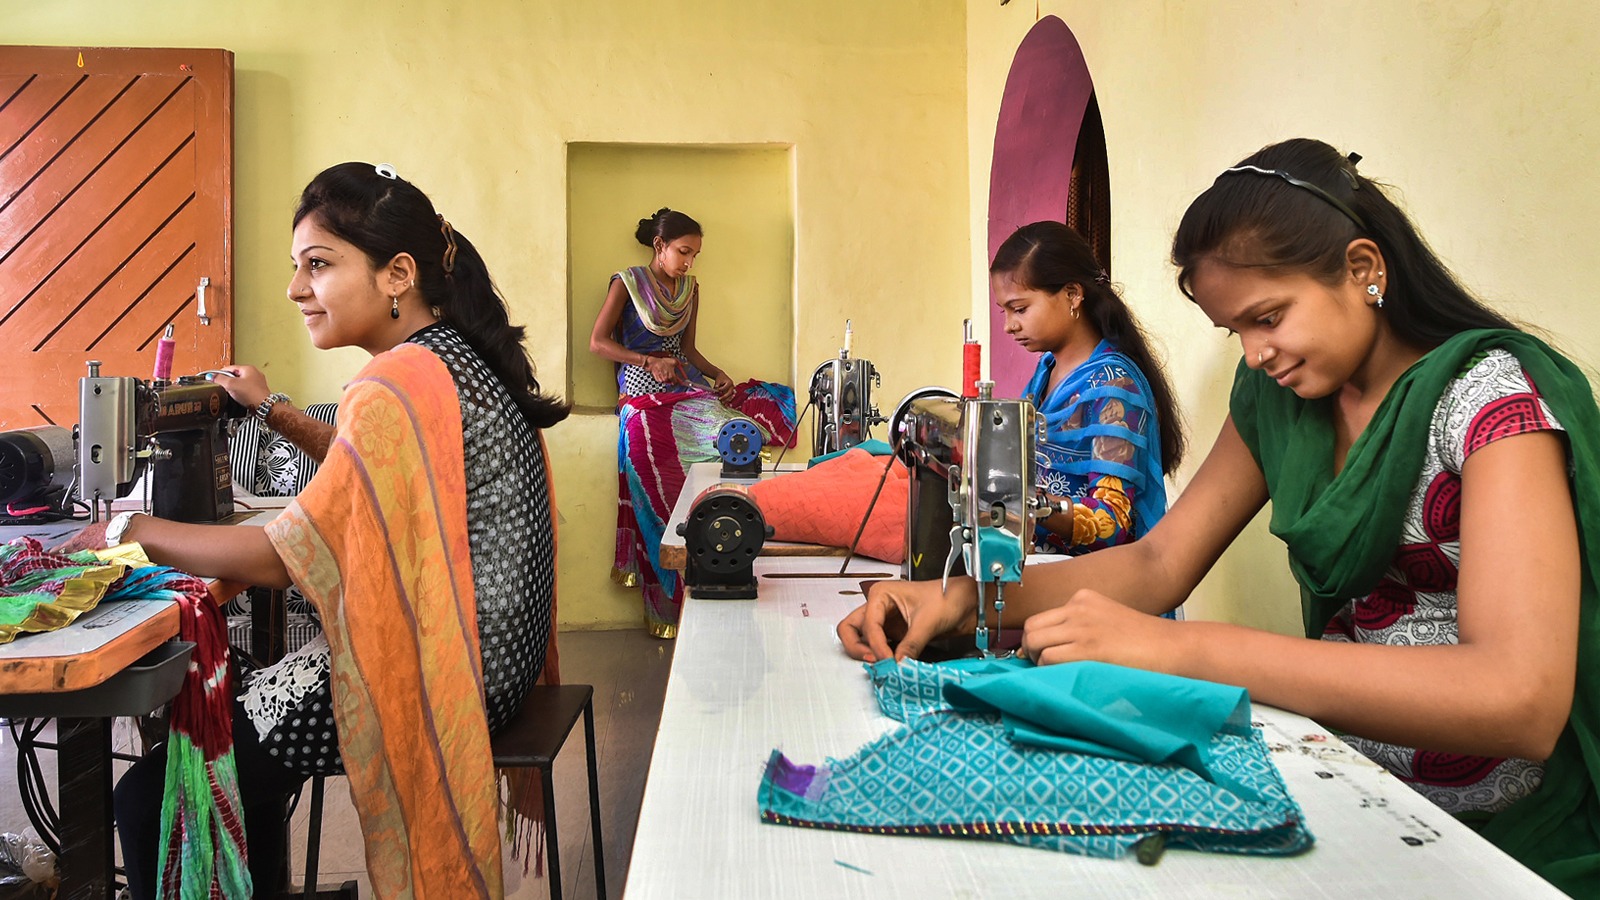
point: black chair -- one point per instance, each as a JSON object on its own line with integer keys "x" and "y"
{"x": 532, "y": 738}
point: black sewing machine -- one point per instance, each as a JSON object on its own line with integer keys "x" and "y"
{"x": 841, "y": 391}
{"x": 178, "y": 430}
{"x": 973, "y": 497}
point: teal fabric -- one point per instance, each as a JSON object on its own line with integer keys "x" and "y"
{"x": 991, "y": 751}
{"x": 874, "y": 446}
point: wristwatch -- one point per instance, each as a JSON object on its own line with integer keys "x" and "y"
{"x": 265, "y": 406}
{"x": 117, "y": 527}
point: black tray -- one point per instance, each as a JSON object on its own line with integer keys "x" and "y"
{"x": 150, "y": 681}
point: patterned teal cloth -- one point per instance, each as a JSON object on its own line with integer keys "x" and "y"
{"x": 1085, "y": 758}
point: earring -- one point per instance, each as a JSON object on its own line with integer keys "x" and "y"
{"x": 1074, "y": 312}
{"x": 1372, "y": 291}
{"x": 394, "y": 306}
{"x": 1261, "y": 357}
{"x": 436, "y": 311}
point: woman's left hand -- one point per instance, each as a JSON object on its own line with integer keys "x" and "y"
{"x": 723, "y": 385}
{"x": 1093, "y": 626}
{"x": 91, "y": 537}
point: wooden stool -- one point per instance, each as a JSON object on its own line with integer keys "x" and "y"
{"x": 532, "y": 738}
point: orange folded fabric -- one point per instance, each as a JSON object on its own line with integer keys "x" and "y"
{"x": 826, "y": 503}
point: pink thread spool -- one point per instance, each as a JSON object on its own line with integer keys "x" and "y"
{"x": 164, "y": 350}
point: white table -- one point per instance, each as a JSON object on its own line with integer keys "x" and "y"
{"x": 750, "y": 676}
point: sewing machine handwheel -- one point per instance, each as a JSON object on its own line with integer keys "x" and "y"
{"x": 739, "y": 442}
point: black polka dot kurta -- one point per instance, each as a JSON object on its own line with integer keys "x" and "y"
{"x": 513, "y": 574}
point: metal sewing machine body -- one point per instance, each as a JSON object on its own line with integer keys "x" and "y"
{"x": 982, "y": 452}
{"x": 841, "y": 390}
{"x": 176, "y": 429}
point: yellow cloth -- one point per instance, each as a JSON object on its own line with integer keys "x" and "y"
{"x": 378, "y": 542}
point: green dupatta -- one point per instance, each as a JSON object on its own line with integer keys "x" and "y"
{"x": 1342, "y": 532}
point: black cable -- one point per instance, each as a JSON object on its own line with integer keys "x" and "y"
{"x": 31, "y": 784}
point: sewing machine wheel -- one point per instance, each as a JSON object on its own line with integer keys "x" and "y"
{"x": 903, "y": 409}
{"x": 739, "y": 442}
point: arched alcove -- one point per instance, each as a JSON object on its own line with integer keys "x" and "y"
{"x": 1049, "y": 162}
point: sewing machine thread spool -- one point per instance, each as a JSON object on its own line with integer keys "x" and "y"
{"x": 971, "y": 361}
{"x": 164, "y": 352}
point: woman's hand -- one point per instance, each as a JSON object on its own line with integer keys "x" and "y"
{"x": 245, "y": 384}
{"x": 666, "y": 369}
{"x": 1093, "y": 626}
{"x": 90, "y": 537}
{"x": 723, "y": 385}
{"x": 912, "y": 612}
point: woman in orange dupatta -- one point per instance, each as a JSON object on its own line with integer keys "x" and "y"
{"x": 425, "y": 542}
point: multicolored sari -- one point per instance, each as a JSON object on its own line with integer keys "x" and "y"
{"x": 659, "y": 436}
{"x": 378, "y": 542}
{"x": 653, "y": 324}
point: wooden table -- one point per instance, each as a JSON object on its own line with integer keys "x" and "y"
{"x": 753, "y": 675}
{"x": 90, "y": 652}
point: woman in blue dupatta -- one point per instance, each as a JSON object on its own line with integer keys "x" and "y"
{"x": 1111, "y": 425}
{"x": 1435, "y": 474}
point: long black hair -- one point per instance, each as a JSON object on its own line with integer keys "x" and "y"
{"x": 666, "y": 224}
{"x": 383, "y": 216}
{"x": 1048, "y": 256}
{"x": 1258, "y": 218}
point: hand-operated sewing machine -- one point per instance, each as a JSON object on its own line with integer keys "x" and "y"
{"x": 841, "y": 390}
{"x": 177, "y": 429}
{"x": 978, "y": 453}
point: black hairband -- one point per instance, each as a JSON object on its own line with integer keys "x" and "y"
{"x": 1332, "y": 201}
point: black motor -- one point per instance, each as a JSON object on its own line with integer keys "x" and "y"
{"x": 36, "y": 471}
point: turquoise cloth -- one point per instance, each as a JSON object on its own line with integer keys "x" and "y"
{"x": 1084, "y": 758}
{"x": 874, "y": 447}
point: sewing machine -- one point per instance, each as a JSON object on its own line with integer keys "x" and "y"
{"x": 175, "y": 429}
{"x": 973, "y": 497}
{"x": 841, "y": 391}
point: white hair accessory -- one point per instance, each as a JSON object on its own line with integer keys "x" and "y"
{"x": 386, "y": 171}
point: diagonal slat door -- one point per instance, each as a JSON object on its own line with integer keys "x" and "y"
{"x": 115, "y": 200}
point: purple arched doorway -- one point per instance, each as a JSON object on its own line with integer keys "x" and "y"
{"x": 1047, "y": 93}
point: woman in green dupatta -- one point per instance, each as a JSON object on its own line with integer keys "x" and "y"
{"x": 1394, "y": 421}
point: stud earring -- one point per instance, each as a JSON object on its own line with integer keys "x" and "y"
{"x": 1372, "y": 290}
{"x": 394, "y": 306}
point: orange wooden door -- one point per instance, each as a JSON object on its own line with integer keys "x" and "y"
{"x": 116, "y": 200}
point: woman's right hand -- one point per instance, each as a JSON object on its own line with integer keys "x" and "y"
{"x": 914, "y": 612}
{"x": 666, "y": 369}
{"x": 245, "y": 384}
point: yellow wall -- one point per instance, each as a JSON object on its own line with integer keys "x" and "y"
{"x": 1482, "y": 111}
{"x": 477, "y": 102}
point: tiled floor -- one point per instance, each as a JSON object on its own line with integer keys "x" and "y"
{"x": 628, "y": 670}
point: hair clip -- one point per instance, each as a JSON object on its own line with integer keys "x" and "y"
{"x": 386, "y": 171}
{"x": 1353, "y": 157}
{"x": 1101, "y": 277}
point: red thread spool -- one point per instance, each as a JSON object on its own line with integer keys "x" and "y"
{"x": 971, "y": 367}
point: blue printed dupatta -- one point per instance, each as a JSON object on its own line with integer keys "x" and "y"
{"x": 972, "y": 763}
{"x": 1100, "y": 422}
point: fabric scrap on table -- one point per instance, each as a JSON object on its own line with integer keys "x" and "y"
{"x": 1091, "y": 761}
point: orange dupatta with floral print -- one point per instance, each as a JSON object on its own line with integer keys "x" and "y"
{"x": 378, "y": 542}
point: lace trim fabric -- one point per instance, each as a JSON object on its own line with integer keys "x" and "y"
{"x": 271, "y": 694}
